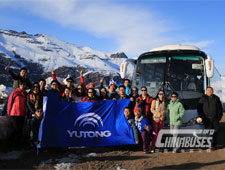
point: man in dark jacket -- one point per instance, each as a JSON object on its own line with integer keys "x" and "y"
{"x": 54, "y": 92}
{"x": 21, "y": 77}
{"x": 210, "y": 110}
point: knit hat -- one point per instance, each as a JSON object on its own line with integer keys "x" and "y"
{"x": 137, "y": 109}
{"x": 112, "y": 82}
{"x": 91, "y": 84}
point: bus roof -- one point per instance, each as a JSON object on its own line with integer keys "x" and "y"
{"x": 174, "y": 50}
{"x": 175, "y": 47}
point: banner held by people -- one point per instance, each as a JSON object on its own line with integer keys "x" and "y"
{"x": 69, "y": 124}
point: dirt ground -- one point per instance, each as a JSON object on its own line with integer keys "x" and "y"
{"x": 120, "y": 157}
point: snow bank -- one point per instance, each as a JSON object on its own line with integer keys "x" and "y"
{"x": 64, "y": 163}
{"x": 4, "y": 91}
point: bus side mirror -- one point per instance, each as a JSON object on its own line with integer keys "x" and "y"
{"x": 123, "y": 69}
{"x": 209, "y": 66}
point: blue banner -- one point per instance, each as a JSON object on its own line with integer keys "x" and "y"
{"x": 68, "y": 124}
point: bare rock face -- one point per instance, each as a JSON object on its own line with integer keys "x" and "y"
{"x": 36, "y": 72}
{"x": 118, "y": 55}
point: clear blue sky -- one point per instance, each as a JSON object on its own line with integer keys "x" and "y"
{"x": 131, "y": 26}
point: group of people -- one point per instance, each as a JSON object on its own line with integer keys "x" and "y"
{"x": 145, "y": 114}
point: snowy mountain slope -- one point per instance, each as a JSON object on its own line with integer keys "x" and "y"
{"x": 40, "y": 53}
{"x": 51, "y": 52}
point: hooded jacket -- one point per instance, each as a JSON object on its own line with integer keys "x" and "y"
{"x": 176, "y": 111}
{"x": 17, "y": 103}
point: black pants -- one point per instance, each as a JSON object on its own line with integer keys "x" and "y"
{"x": 18, "y": 122}
{"x": 35, "y": 124}
{"x": 212, "y": 124}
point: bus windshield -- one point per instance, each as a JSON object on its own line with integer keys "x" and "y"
{"x": 181, "y": 73}
{"x": 185, "y": 75}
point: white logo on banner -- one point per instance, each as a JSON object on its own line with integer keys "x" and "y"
{"x": 92, "y": 119}
{"x": 89, "y": 119}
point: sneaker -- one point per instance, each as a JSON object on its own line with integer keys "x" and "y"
{"x": 211, "y": 148}
{"x": 176, "y": 151}
{"x": 152, "y": 151}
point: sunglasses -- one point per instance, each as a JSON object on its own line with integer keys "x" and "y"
{"x": 143, "y": 90}
{"x": 54, "y": 84}
{"x": 35, "y": 86}
{"x": 173, "y": 96}
{"x": 161, "y": 94}
{"x": 91, "y": 92}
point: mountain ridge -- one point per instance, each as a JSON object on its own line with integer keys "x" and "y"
{"x": 41, "y": 52}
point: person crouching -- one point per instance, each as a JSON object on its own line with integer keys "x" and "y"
{"x": 131, "y": 121}
{"x": 144, "y": 128}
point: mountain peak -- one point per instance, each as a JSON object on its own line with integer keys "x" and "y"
{"x": 19, "y": 49}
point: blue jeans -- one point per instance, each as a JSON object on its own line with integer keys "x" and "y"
{"x": 174, "y": 132}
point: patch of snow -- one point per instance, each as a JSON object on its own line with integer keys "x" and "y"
{"x": 49, "y": 161}
{"x": 71, "y": 158}
{"x": 120, "y": 168}
{"x": 66, "y": 162}
{"x": 91, "y": 155}
{"x": 4, "y": 91}
{"x": 63, "y": 166}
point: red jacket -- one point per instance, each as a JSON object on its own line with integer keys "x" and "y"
{"x": 62, "y": 87}
{"x": 86, "y": 99}
{"x": 83, "y": 83}
{"x": 17, "y": 103}
{"x": 148, "y": 105}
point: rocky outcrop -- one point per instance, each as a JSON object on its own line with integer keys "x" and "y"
{"x": 118, "y": 55}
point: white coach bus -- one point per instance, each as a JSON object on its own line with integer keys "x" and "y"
{"x": 181, "y": 68}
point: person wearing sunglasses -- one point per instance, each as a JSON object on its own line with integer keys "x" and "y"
{"x": 34, "y": 99}
{"x": 176, "y": 112}
{"x": 54, "y": 92}
{"x": 158, "y": 109}
{"x": 144, "y": 101}
{"x": 91, "y": 96}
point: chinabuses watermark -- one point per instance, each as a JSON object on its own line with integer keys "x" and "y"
{"x": 185, "y": 138}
